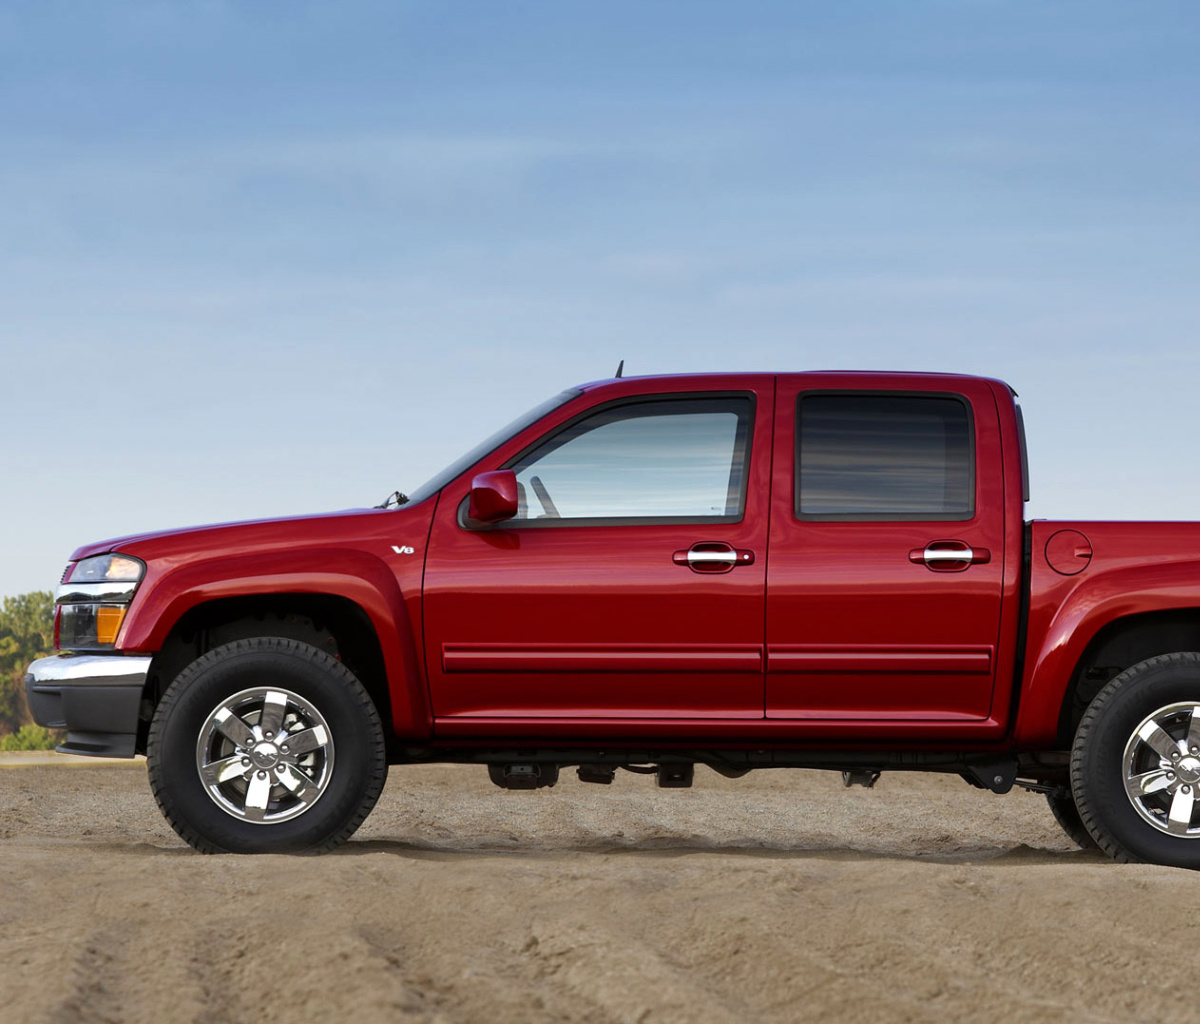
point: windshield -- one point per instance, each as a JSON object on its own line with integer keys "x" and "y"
{"x": 464, "y": 463}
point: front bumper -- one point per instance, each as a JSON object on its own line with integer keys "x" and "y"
{"x": 95, "y": 697}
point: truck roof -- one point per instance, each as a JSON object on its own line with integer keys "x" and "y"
{"x": 897, "y": 376}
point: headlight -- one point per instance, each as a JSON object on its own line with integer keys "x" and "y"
{"x": 107, "y": 567}
{"x": 93, "y": 600}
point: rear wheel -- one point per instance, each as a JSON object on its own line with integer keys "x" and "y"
{"x": 1135, "y": 766}
{"x": 266, "y": 746}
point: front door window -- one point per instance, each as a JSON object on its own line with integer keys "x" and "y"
{"x": 677, "y": 459}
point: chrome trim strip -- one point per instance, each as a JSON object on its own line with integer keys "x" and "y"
{"x": 104, "y": 592}
{"x": 89, "y": 670}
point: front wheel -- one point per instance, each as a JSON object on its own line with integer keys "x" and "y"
{"x": 1135, "y": 765}
{"x": 266, "y": 746}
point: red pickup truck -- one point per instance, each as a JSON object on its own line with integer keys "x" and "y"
{"x": 814, "y": 570}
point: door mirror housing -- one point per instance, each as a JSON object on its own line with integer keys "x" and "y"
{"x": 493, "y": 496}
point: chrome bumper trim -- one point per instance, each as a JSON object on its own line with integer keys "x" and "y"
{"x": 89, "y": 670}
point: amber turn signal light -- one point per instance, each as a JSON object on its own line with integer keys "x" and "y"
{"x": 108, "y": 623}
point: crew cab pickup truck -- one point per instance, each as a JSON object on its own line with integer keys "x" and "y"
{"x": 740, "y": 571}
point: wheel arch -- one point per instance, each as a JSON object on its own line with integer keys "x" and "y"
{"x": 1119, "y": 645}
{"x": 365, "y": 616}
{"x": 1130, "y": 609}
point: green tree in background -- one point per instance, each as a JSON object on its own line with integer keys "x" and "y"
{"x": 30, "y": 737}
{"x": 26, "y": 633}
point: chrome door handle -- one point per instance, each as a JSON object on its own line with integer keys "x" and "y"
{"x": 712, "y": 557}
{"x": 949, "y": 556}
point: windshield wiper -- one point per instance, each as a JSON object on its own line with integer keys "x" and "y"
{"x": 394, "y": 499}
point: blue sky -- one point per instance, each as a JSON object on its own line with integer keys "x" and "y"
{"x": 264, "y": 258}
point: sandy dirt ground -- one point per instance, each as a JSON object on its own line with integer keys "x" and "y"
{"x": 777, "y": 897}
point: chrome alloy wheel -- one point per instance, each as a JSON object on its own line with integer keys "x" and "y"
{"x": 1162, "y": 769}
{"x": 265, "y": 755}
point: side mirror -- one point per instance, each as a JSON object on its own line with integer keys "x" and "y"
{"x": 493, "y": 496}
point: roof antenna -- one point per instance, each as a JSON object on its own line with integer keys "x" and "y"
{"x": 620, "y": 367}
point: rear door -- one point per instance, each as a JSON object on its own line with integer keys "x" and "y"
{"x": 887, "y": 544}
{"x": 631, "y": 584}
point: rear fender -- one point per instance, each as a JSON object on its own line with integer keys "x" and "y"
{"x": 1085, "y": 610}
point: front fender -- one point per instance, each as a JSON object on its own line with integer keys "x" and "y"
{"x": 1074, "y": 614}
{"x": 168, "y": 593}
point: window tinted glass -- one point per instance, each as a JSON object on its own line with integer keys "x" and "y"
{"x": 671, "y": 458}
{"x": 873, "y": 456}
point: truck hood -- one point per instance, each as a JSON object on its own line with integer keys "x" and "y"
{"x": 189, "y": 543}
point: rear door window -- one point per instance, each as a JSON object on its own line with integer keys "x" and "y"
{"x": 884, "y": 457}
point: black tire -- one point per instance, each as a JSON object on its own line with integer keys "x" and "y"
{"x": 1109, "y": 748}
{"x": 1062, "y": 806}
{"x": 345, "y": 766}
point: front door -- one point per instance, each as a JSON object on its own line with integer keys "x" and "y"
{"x": 629, "y": 586}
{"x": 887, "y": 554}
